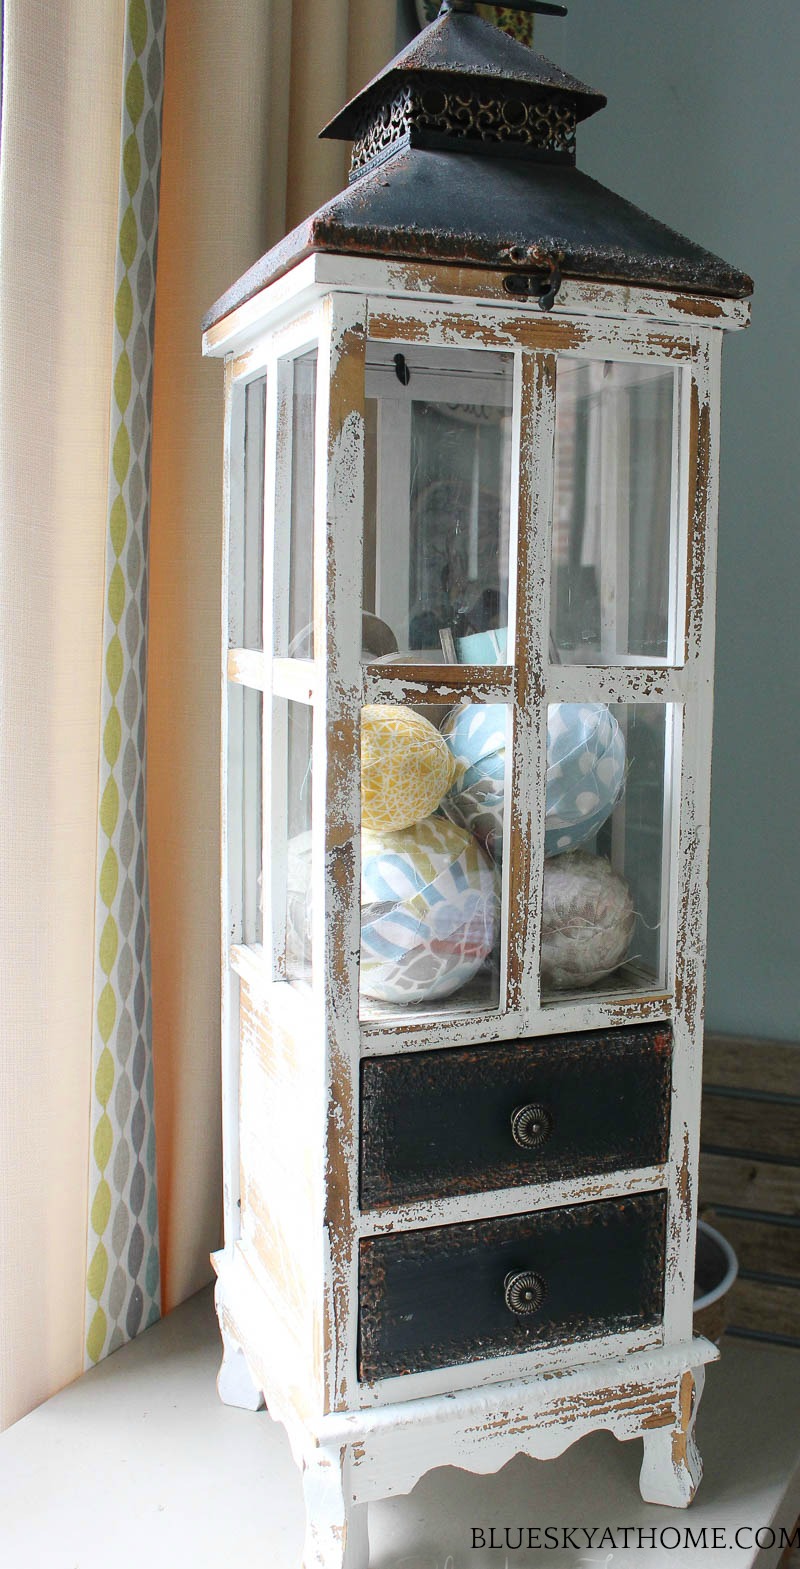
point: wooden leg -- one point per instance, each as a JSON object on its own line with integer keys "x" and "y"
{"x": 336, "y": 1528}
{"x": 672, "y": 1468}
{"x": 235, "y": 1385}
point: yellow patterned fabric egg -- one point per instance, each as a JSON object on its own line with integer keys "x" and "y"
{"x": 406, "y": 768}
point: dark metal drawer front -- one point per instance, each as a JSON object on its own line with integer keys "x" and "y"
{"x": 440, "y": 1297}
{"x": 442, "y": 1122}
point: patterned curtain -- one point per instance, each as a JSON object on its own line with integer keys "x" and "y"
{"x": 122, "y": 1281}
{"x": 109, "y": 629}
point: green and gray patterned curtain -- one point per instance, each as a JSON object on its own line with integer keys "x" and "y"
{"x": 122, "y": 1280}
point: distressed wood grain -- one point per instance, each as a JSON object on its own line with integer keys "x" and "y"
{"x": 750, "y": 1184}
{"x": 767, "y": 1246}
{"x": 760, "y": 1127}
{"x": 766, "y": 1308}
{"x": 748, "y": 1063}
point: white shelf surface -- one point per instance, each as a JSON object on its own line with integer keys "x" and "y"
{"x": 138, "y": 1463}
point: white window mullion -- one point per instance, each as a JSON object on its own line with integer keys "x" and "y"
{"x": 534, "y": 414}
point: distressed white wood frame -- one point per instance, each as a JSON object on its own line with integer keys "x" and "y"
{"x": 303, "y": 286}
{"x": 292, "y": 1310}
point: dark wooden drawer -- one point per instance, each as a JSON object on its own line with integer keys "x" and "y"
{"x": 440, "y": 1122}
{"x": 438, "y": 1297}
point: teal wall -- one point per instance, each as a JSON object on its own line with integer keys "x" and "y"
{"x": 703, "y": 130}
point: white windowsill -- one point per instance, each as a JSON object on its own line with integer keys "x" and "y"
{"x": 138, "y": 1464}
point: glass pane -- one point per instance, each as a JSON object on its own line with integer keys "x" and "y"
{"x": 607, "y": 841}
{"x": 437, "y": 509}
{"x": 247, "y": 551}
{"x": 301, "y": 534}
{"x": 431, "y": 858}
{"x": 615, "y": 512}
{"x": 292, "y": 741}
{"x": 245, "y": 720}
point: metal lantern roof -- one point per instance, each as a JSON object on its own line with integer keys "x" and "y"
{"x": 461, "y": 45}
{"x": 464, "y": 153}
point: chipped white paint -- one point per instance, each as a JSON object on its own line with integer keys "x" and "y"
{"x": 671, "y": 1468}
{"x": 418, "y": 1214}
{"x": 471, "y": 286}
{"x": 246, "y": 667}
{"x": 288, "y": 1273}
{"x": 443, "y": 685}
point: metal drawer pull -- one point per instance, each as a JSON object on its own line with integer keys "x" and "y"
{"x": 531, "y": 1126}
{"x": 524, "y": 1292}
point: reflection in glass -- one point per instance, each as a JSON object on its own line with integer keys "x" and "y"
{"x": 606, "y": 890}
{"x": 245, "y": 720}
{"x": 293, "y": 736}
{"x": 438, "y": 468}
{"x": 431, "y": 849}
{"x": 301, "y": 537}
{"x": 615, "y": 512}
{"x": 249, "y": 633}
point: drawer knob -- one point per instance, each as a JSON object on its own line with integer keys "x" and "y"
{"x": 524, "y": 1292}
{"x": 531, "y": 1126}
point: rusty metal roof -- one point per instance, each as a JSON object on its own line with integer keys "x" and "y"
{"x": 413, "y": 208}
{"x": 483, "y": 176}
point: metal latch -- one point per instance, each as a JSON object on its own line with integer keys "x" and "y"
{"x": 542, "y": 283}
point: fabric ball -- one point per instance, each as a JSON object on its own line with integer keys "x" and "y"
{"x": 587, "y": 920}
{"x": 430, "y": 911}
{"x": 476, "y": 736}
{"x": 406, "y": 768}
{"x": 585, "y": 772}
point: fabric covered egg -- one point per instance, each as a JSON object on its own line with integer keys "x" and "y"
{"x": 585, "y": 772}
{"x": 430, "y": 911}
{"x": 476, "y": 735}
{"x": 587, "y": 920}
{"x": 406, "y": 768}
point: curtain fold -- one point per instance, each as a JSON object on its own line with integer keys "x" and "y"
{"x": 241, "y": 165}
{"x": 245, "y": 92}
{"x": 59, "y": 179}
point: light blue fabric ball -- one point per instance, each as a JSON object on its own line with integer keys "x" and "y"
{"x": 585, "y": 772}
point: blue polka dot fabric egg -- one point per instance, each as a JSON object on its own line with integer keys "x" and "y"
{"x": 585, "y": 772}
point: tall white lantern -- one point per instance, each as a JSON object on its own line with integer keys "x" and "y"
{"x": 472, "y": 412}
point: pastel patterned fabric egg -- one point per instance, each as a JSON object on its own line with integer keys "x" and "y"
{"x": 587, "y": 920}
{"x": 585, "y": 772}
{"x": 406, "y": 768}
{"x": 476, "y": 735}
{"x": 430, "y": 911}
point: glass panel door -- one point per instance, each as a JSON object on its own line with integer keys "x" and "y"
{"x": 616, "y": 517}
{"x": 438, "y": 474}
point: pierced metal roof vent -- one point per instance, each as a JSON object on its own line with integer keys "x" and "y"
{"x": 464, "y": 85}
